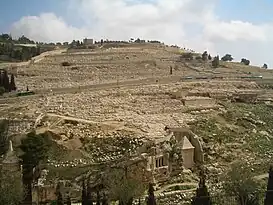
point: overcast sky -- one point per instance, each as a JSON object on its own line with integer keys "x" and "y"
{"x": 242, "y": 28}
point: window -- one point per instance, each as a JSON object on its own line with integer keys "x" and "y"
{"x": 159, "y": 162}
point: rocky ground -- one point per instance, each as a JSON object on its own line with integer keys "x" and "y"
{"x": 95, "y": 67}
{"x": 93, "y": 126}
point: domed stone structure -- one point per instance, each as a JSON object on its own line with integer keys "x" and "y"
{"x": 11, "y": 161}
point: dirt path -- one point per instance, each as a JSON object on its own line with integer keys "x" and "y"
{"x": 71, "y": 118}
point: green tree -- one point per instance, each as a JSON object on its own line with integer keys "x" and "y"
{"x": 205, "y": 56}
{"x": 25, "y": 40}
{"x": 5, "y": 37}
{"x": 12, "y": 83}
{"x": 202, "y": 195}
{"x": 104, "y": 200}
{"x": 269, "y": 192}
{"x": 68, "y": 200}
{"x": 4, "y": 142}
{"x": 227, "y": 57}
{"x": 35, "y": 149}
{"x": 84, "y": 193}
{"x": 124, "y": 188}
{"x": 59, "y": 195}
{"x": 26, "y": 54}
{"x": 216, "y": 62}
{"x": 2, "y": 90}
{"x": 89, "y": 200}
{"x": 6, "y": 81}
{"x": 265, "y": 66}
{"x": 98, "y": 198}
{"x": 11, "y": 190}
{"x": 151, "y": 197}
{"x": 240, "y": 183}
{"x": 245, "y": 61}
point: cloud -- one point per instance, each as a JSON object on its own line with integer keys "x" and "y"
{"x": 190, "y": 23}
{"x": 46, "y": 28}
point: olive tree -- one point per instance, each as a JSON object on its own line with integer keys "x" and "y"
{"x": 11, "y": 189}
{"x": 239, "y": 182}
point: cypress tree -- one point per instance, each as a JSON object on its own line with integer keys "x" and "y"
{"x": 6, "y": 81}
{"x": 68, "y": 200}
{"x": 269, "y": 192}
{"x": 1, "y": 79}
{"x": 83, "y": 193}
{"x": 59, "y": 195}
{"x": 12, "y": 85}
{"x": 104, "y": 199}
{"x": 98, "y": 197}
{"x": 88, "y": 193}
{"x": 202, "y": 195}
{"x": 151, "y": 197}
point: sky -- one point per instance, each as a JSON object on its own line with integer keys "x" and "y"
{"x": 242, "y": 28}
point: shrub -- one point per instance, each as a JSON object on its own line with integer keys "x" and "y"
{"x": 265, "y": 66}
{"x": 198, "y": 58}
{"x": 2, "y": 90}
{"x": 66, "y": 63}
{"x": 227, "y": 57}
{"x": 245, "y": 61}
{"x": 186, "y": 56}
{"x": 216, "y": 62}
{"x": 205, "y": 56}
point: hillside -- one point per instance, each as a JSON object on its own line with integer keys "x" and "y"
{"x": 21, "y": 49}
{"x": 112, "y": 105}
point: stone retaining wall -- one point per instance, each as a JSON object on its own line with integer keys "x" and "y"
{"x": 200, "y": 102}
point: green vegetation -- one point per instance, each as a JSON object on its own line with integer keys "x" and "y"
{"x": 246, "y": 127}
{"x": 4, "y": 126}
{"x": 202, "y": 196}
{"x": 269, "y": 191}
{"x": 17, "y": 50}
{"x": 123, "y": 188}
{"x": 227, "y": 57}
{"x": 66, "y": 173}
{"x": 215, "y": 62}
{"x": 6, "y": 84}
{"x": 180, "y": 187}
{"x": 240, "y": 183}
{"x": 245, "y": 61}
{"x": 151, "y": 197}
{"x": 35, "y": 149}
{"x": 265, "y": 66}
{"x": 10, "y": 188}
{"x": 25, "y": 93}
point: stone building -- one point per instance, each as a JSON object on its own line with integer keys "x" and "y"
{"x": 88, "y": 42}
{"x": 179, "y": 149}
{"x": 187, "y": 153}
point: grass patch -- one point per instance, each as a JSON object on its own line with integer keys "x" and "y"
{"x": 66, "y": 173}
{"x": 180, "y": 187}
{"x": 249, "y": 125}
